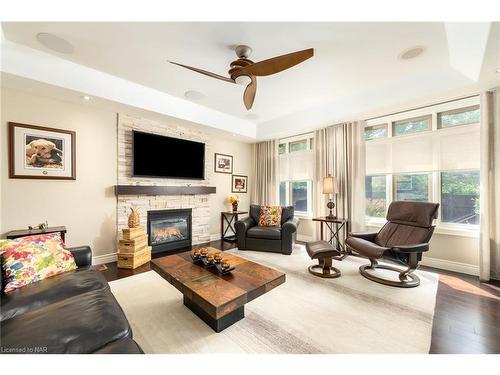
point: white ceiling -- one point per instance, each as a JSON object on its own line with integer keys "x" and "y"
{"x": 352, "y": 62}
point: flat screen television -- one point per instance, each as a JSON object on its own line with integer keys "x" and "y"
{"x": 166, "y": 157}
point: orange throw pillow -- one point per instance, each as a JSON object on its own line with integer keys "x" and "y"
{"x": 270, "y": 216}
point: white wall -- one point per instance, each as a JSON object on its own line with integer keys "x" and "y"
{"x": 242, "y": 158}
{"x": 87, "y": 206}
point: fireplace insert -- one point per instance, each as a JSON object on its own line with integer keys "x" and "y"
{"x": 169, "y": 229}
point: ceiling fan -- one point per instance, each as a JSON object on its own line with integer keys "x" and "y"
{"x": 244, "y": 71}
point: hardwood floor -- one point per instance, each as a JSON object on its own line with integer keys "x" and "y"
{"x": 466, "y": 316}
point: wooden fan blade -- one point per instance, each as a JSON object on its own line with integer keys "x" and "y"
{"x": 275, "y": 64}
{"x": 249, "y": 94}
{"x": 201, "y": 71}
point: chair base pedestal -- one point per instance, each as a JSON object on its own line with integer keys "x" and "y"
{"x": 324, "y": 269}
{"x": 407, "y": 279}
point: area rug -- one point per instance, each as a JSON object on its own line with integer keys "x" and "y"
{"x": 306, "y": 314}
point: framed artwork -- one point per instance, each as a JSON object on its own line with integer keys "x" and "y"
{"x": 223, "y": 163}
{"x": 41, "y": 153}
{"x": 239, "y": 184}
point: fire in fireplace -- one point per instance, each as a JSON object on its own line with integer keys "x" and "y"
{"x": 169, "y": 229}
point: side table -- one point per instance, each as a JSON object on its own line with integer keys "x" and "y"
{"x": 227, "y": 220}
{"x": 31, "y": 232}
{"x": 335, "y": 226}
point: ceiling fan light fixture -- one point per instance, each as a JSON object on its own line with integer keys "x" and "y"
{"x": 243, "y": 80}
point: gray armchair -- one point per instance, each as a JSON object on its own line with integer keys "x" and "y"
{"x": 273, "y": 239}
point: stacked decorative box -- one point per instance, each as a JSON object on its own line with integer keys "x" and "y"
{"x": 134, "y": 250}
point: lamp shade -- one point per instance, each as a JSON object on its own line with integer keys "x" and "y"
{"x": 330, "y": 185}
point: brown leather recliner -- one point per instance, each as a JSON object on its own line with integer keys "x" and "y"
{"x": 402, "y": 239}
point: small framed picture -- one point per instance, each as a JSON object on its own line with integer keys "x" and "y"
{"x": 239, "y": 184}
{"x": 223, "y": 163}
{"x": 41, "y": 153}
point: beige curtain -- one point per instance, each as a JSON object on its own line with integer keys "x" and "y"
{"x": 264, "y": 172}
{"x": 339, "y": 150}
{"x": 489, "y": 245}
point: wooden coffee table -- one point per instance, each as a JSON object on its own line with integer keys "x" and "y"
{"x": 217, "y": 299}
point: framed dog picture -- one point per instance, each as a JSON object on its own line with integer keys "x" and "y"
{"x": 239, "y": 184}
{"x": 223, "y": 163}
{"x": 40, "y": 152}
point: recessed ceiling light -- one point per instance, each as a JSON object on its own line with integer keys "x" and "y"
{"x": 252, "y": 116}
{"x": 411, "y": 53}
{"x": 194, "y": 95}
{"x": 85, "y": 97}
{"x": 55, "y": 43}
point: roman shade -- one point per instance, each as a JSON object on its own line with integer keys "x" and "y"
{"x": 296, "y": 165}
{"x": 446, "y": 149}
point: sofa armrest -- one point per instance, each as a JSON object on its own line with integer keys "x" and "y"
{"x": 367, "y": 236}
{"x": 241, "y": 227}
{"x": 288, "y": 234}
{"x": 82, "y": 255}
{"x": 290, "y": 226}
{"x": 418, "y": 248}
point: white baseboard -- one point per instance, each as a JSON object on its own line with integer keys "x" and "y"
{"x": 106, "y": 258}
{"x": 449, "y": 265}
{"x": 304, "y": 238}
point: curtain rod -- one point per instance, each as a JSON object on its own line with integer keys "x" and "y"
{"x": 425, "y": 106}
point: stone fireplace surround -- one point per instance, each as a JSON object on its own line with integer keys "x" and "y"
{"x": 199, "y": 203}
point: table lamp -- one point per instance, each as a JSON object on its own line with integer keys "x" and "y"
{"x": 330, "y": 187}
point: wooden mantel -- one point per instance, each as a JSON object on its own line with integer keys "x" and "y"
{"x": 163, "y": 190}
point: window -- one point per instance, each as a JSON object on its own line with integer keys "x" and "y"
{"x": 461, "y": 116}
{"x": 296, "y": 166}
{"x": 412, "y": 125}
{"x": 460, "y": 197}
{"x": 375, "y": 131}
{"x": 375, "y": 188}
{"x": 300, "y": 195}
{"x": 297, "y": 194}
{"x": 299, "y": 145}
{"x": 437, "y": 162}
{"x": 282, "y": 148}
{"x": 411, "y": 187}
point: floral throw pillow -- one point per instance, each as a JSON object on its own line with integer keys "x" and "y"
{"x": 270, "y": 216}
{"x": 34, "y": 258}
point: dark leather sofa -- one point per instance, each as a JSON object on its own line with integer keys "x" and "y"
{"x": 74, "y": 312}
{"x": 273, "y": 239}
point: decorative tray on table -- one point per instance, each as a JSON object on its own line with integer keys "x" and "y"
{"x": 202, "y": 257}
